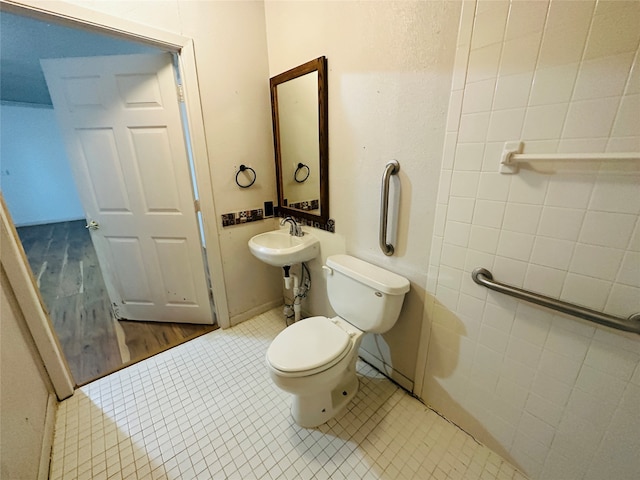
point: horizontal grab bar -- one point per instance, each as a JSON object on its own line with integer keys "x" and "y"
{"x": 483, "y": 277}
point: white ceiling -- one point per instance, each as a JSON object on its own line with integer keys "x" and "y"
{"x": 24, "y": 41}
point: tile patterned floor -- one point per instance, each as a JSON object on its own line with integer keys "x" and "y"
{"x": 208, "y": 410}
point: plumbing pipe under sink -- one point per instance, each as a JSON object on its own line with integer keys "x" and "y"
{"x": 290, "y": 278}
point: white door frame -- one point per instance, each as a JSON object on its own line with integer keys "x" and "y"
{"x": 79, "y": 17}
{"x": 24, "y": 287}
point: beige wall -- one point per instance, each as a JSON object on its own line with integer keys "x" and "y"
{"x": 389, "y": 71}
{"x": 557, "y": 395}
{"x": 229, "y": 39}
{"x": 24, "y": 394}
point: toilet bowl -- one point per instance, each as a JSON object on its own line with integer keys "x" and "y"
{"x": 315, "y": 359}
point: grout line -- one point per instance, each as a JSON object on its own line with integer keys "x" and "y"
{"x": 209, "y": 409}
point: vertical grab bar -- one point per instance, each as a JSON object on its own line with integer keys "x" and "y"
{"x": 391, "y": 168}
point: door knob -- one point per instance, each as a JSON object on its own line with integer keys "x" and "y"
{"x": 93, "y": 225}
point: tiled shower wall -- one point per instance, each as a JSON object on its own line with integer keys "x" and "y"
{"x": 556, "y": 395}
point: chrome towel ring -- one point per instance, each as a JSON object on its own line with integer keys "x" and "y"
{"x": 244, "y": 168}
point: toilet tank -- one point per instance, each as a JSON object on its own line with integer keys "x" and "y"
{"x": 366, "y": 296}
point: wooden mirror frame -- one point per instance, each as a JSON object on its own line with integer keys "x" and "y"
{"x": 319, "y": 65}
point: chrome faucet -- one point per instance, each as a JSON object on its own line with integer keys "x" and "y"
{"x": 295, "y": 229}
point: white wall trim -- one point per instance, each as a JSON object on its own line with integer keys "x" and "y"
{"x": 23, "y": 284}
{"x": 195, "y": 120}
{"x": 241, "y": 317}
{"x": 11, "y": 103}
{"x": 55, "y": 220}
{"x": 75, "y": 16}
{"x": 47, "y": 438}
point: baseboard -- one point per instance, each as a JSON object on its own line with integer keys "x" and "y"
{"x": 375, "y": 362}
{"x": 241, "y": 317}
{"x": 47, "y": 438}
{"x": 47, "y": 222}
{"x": 386, "y": 370}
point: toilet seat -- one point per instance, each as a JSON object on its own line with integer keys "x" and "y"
{"x": 309, "y": 346}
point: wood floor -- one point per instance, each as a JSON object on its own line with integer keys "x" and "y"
{"x": 66, "y": 269}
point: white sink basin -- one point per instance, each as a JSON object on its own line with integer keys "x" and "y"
{"x": 279, "y": 248}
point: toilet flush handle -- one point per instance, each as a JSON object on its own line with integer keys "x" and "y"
{"x": 329, "y": 270}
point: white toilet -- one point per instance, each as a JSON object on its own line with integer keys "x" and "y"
{"x": 315, "y": 358}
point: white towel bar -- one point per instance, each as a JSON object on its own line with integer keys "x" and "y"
{"x": 512, "y": 156}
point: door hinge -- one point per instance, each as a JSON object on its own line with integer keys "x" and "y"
{"x": 180, "y": 94}
{"x": 196, "y": 205}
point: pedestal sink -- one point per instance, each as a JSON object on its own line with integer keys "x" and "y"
{"x": 279, "y": 248}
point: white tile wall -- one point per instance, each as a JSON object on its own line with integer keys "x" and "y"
{"x": 560, "y": 76}
{"x": 207, "y": 409}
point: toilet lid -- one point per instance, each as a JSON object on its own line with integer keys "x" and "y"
{"x": 307, "y": 344}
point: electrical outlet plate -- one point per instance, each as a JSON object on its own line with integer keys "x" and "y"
{"x": 268, "y": 209}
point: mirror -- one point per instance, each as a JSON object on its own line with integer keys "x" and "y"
{"x": 299, "y": 111}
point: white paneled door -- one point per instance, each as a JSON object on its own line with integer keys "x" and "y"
{"x": 121, "y": 122}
